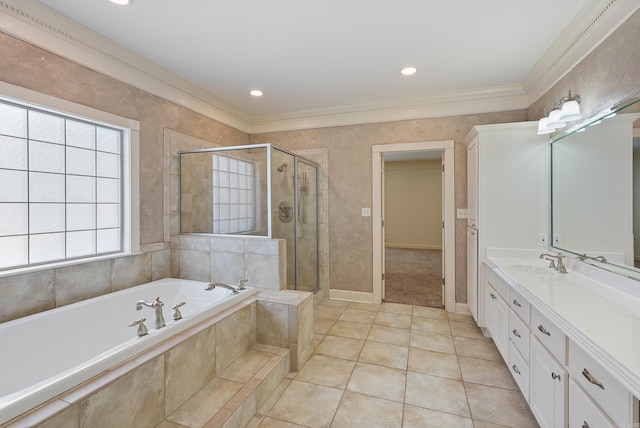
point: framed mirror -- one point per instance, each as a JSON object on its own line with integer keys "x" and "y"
{"x": 595, "y": 189}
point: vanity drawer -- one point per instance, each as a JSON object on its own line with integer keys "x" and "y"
{"x": 583, "y": 412}
{"x": 549, "y": 335}
{"x": 519, "y": 305}
{"x": 519, "y": 335}
{"x": 519, "y": 370}
{"x": 501, "y": 286}
{"x": 489, "y": 274}
{"x": 614, "y": 399}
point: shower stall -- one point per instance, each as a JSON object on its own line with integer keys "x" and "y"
{"x": 255, "y": 190}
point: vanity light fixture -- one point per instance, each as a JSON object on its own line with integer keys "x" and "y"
{"x": 122, "y": 2}
{"x": 256, "y": 92}
{"x": 567, "y": 109}
{"x": 408, "y": 71}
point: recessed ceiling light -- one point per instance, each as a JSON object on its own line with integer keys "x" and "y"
{"x": 121, "y": 2}
{"x": 256, "y": 92}
{"x": 408, "y": 71}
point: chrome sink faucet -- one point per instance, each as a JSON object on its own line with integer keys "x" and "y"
{"x": 157, "y": 306}
{"x": 560, "y": 267}
{"x": 220, "y": 284}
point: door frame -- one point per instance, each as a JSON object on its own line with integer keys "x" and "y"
{"x": 448, "y": 250}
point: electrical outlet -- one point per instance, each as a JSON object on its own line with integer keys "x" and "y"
{"x": 366, "y": 212}
{"x": 556, "y": 239}
{"x": 462, "y": 213}
{"x": 542, "y": 240}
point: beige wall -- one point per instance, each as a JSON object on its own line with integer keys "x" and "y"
{"x": 413, "y": 204}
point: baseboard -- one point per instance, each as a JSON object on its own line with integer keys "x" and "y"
{"x": 414, "y": 246}
{"x": 462, "y": 308}
{"x": 351, "y": 296}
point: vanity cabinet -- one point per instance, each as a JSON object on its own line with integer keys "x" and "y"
{"x": 548, "y": 383}
{"x": 497, "y": 312}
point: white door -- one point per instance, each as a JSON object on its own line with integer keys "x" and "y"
{"x": 472, "y": 272}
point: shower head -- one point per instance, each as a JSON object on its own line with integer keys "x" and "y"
{"x": 282, "y": 167}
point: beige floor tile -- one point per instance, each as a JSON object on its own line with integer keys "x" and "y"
{"x": 466, "y": 330}
{"x": 357, "y": 410}
{"x": 326, "y": 371}
{"x": 461, "y": 318}
{"x": 476, "y": 348}
{"x": 340, "y": 347}
{"x": 499, "y": 406}
{"x": 247, "y": 365}
{"x": 384, "y": 354}
{"x": 393, "y": 320}
{"x": 437, "y": 393}
{"x": 391, "y": 335}
{"x": 268, "y": 404}
{"x": 483, "y": 424}
{"x": 356, "y": 315}
{"x": 364, "y": 306}
{"x": 486, "y": 372}
{"x": 322, "y": 325}
{"x": 317, "y": 338}
{"x": 431, "y": 325}
{"x": 396, "y": 308}
{"x": 434, "y": 363}
{"x": 331, "y": 312}
{"x": 378, "y": 381}
{"x": 354, "y": 330}
{"x": 335, "y": 303}
{"x": 432, "y": 341}
{"x": 418, "y": 417}
{"x": 307, "y": 404}
{"x": 424, "y": 312}
{"x": 169, "y": 424}
{"x": 268, "y": 422}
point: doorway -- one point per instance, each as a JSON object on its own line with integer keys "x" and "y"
{"x": 413, "y": 218}
{"x": 445, "y": 150}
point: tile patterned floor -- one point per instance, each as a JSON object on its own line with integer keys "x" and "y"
{"x": 397, "y": 366}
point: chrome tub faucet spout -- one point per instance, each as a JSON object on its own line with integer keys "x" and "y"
{"x": 155, "y": 305}
{"x": 220, "y": 284}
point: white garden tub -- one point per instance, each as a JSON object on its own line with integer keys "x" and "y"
{"x": 45, "y": 354}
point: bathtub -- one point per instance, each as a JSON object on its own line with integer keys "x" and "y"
{"x": 45, "y": 354}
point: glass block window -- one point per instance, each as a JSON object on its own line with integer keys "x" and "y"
{"x": 233, "y": 195}
{"x": 60, "y": 187}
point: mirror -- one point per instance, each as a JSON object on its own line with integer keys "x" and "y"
{"x": 595, "y": 190}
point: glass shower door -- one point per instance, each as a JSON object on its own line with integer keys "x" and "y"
{"x": 307, "y": 226}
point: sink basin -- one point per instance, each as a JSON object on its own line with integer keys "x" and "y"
{"x": 533, "y": 269}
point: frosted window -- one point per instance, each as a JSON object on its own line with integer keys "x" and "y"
{"x": 45, "y": 187}
{"x": 108, "y": 165}
{"x": 231, "y": 191}
{"x": 81, "y": 216}
{"x": 80, "y": 134}
{"x": 108, "y": 216}
{"x": 108, "y": 190}
{"x": 81, "y": 189}
{"x": 13, "y": 152}
{"x": 14, "y": 187}
{"x": 14, "y": 219}
{"x": 46, "y": 157}
{"x": 81, "y": 243}
{"x": 81, "y": 161}
{"x": 108, "y": 140}
{"x": 46, "y": 127}
{"x": 108, "y": 240}
{"x": 13, "y": 251}
{"x": 46, "y": 218}
{"x": 46, "y": 247}
{"x": 14, "y": 120}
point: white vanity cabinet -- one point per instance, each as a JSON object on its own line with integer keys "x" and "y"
{"x": 497, "y": 312}
{"x": 548, "y": 387}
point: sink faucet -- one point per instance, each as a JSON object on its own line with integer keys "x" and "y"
{"x": 220, "y": 284}
{"x": 560, "y": 267}
{"x": 157, "y": 306}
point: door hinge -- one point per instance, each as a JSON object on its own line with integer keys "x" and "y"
{"x": 442, "y": 168}
{"x": 443, "y": 224}
{"x": 383, "y": 277}
{"x": 443, "y": 281}
{"x": 382, "y": 223}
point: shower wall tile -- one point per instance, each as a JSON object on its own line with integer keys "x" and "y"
{"x": 227, "y": 267}
{"x": 195, "y": 265}
{"x": 272, "y": 324}
{"x": 83, "y": 281}
{"x": 234, "y": 336}
{"x": 263, "y": 246}
{"x": 160, "y": 264}
{"x": 199, "y": 243}
{"x": 263, "y": 271}
{"x": 228, "y": 245}
{"x": 129, "y": 271}
{"x": 26, "y": 294}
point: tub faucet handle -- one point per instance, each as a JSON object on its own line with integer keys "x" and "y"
{"x": 142, "y": 329}
{"x": 177, "y": 315}
{"x": 242, "y": 283}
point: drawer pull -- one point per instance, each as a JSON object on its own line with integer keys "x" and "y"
{"x": 585, "y": 425}
{"x": 515, "y": 302}
{"x": 592, "y": 379}
{"x": 493, "y": 296}
{"x": 515, "y": 369}
{"x": 555, "y": 376}
{"x": 543, "y": 330}
{"x": 515, "y": 333}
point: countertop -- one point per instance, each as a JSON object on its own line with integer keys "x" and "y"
{"x": 602, "y": 317}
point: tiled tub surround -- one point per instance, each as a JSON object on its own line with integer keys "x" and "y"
{"x": 216, "y": 369}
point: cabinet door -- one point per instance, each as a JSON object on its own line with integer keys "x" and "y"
{"x": 548, "y": 387}
{"x": 489, "y": 298}
{"x": 501, "y": 327}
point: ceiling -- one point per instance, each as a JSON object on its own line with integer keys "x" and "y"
{"x": 331, "y": 58}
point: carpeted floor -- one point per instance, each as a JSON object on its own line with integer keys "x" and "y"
{"x": 413, "y": 277}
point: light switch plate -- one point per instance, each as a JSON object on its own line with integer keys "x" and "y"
{"x": 542, "y": 240}
{"x": 366, "y": 212}
{"x": 462, "y": 213}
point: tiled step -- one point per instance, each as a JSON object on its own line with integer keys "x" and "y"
{"x": 235, "y": 395}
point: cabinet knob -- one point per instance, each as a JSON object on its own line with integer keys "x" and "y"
{"x": 591, "y": 378}
{"x": 543, "y": 330}
{"x": 493, "y": 296}
{"x": 515, "y": 369}
{"x": 585, "y": 425}
{"x": 555, "y": 376}
{"x": 515, "y": 302}
{"x": 515, "y": 333}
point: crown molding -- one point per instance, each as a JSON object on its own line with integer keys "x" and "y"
{"x": 594, "y": 23}
{"x": 42, "y": 27}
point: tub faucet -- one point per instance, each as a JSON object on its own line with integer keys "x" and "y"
{"x": 560, "y": 267}
{"x": 220, "y": 284}
{"x": 157, "y": 306}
